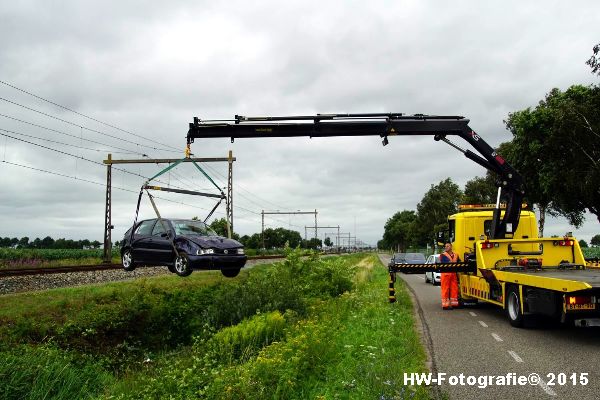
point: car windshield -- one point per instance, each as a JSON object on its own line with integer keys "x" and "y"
{"x": 192, "y": 228}
{"x": 415, "y": 258}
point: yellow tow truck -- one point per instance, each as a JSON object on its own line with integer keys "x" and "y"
{"x": 525, "y": 274}
{"x": 505, "y": 263}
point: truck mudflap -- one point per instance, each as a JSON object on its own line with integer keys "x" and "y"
{"x": 469, "y": 266}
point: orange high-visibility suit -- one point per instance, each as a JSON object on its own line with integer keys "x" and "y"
{"x": 449, "y": 283}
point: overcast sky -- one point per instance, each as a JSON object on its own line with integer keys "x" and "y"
{"x": 147, "y": 68}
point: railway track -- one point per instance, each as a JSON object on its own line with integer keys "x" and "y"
{"x": 85, "y": 268}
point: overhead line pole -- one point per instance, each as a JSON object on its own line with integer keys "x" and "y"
{"x": 229, "y": 200}
{"x": 263, "y": 213}
{"x": 339, "y": 235}
{"x": 321, "y": 227}
{"x": 107, "y": 251}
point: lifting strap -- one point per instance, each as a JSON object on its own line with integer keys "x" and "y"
{"x": 164, "y": 226}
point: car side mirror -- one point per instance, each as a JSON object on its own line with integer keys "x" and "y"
{"x": 164, "y": 235}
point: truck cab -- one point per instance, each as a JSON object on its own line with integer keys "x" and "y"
{"x": 473, "y": 222}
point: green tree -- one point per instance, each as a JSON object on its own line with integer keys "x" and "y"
{"x": 594, "y": 60}
{"x": 24, "y": 242}
{"x": 220, "y": 226}
{"x": 480, "y": 190}
{"x": 252, "y": 242}
{"x": 279, "y": 237}
{"x": 313, "y": 243}
{"x": 595, "y": 240}
{"x": 559, "y": 143}
{"x": 520, "y": 157}
{"x": 328, "y": 242}
{"x": 583, "y": 243}
{"x": 47, "y": 242}
{"x": 440, "y": 201}
{"x": 398, "y": 231}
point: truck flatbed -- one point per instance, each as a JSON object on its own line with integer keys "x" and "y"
{"x": 589, "y": 276}
{"x": 561, "y": 280}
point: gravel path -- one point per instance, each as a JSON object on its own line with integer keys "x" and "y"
{"x": 30, "y": 283}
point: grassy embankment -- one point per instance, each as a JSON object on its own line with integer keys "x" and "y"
{"x": 304, "y": 328}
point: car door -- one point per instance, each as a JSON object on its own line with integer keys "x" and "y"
{"x": 429, "y": 275}
{"x": 160, "y": 246}
{"x": 140, "y": 245}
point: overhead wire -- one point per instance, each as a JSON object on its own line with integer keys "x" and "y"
{"x": 177, "y": 177}
{"x": 76, "y": 156}
{"x": 81, "y": 126}
{"x": 124, "y": 151}
{"x": 85, "y": 116}
{"x": 245, "y": 197}
{"x": 64, "y": 144}
{"x": 103, "y": 133}
{"x": 103, "y": 184}
{"x": 96, "y": 183}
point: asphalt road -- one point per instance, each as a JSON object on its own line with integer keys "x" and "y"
{"x": 478, "y": 340}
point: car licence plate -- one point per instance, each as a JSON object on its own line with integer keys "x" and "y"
{"x": 589, "y": 306}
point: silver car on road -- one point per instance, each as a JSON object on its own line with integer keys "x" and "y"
{"x": 433, "y": 277}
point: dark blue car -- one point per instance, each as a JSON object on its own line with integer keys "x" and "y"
{"x": 198, "y": 247}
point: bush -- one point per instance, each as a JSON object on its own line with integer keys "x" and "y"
{"x": 243, "y": 340}
{"x": 590, "y": 252}
{"x": 279, "y": 369}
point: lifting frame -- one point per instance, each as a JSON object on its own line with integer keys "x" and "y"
{"x": 107, "y": 253}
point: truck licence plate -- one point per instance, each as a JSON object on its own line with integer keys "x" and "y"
{"x": 589, "y": 306}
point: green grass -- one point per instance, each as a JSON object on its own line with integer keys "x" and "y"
{"x": 43, "y": 372}
{"x": 303, "y": 328}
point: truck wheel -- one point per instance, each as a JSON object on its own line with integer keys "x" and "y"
{"x": 182, "y": 264}
{"x": 127, "y": 260}
{"x": 513, "y": 307}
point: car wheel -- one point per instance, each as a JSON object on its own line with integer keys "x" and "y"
{"x": 182, "y": 264}
{"x": 513, "y": 307}
{"x": 230, "y": 273}
{"x": 127, "y": 260}
{"x": 171, "y": 268}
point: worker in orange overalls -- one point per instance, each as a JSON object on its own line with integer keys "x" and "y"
{"x": 449, "y": 280}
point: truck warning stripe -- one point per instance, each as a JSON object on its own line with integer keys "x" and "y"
{"x": 445, "y": 267}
